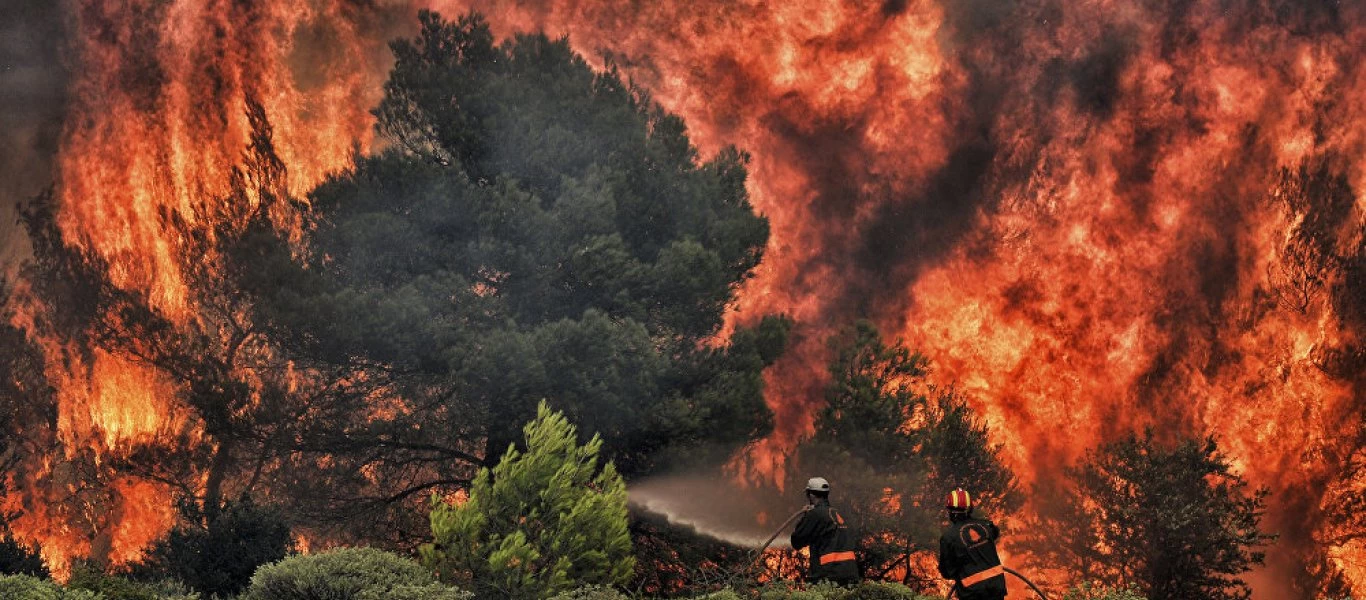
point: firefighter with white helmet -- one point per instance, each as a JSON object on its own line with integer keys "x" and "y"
{"x": 823, "y": 530}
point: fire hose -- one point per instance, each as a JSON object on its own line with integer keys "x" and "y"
{"x": 759, "y": 555}
{"x": 954, "y": 592}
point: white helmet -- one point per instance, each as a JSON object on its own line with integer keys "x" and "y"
{"x": 818, "y": 484}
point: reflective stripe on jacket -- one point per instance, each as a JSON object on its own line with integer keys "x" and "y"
{"x": 967, "y": 554}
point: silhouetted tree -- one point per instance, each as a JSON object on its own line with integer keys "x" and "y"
{"x": 1174, "y": 521}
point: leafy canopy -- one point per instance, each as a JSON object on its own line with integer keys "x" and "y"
{"x": 539, "y": 230}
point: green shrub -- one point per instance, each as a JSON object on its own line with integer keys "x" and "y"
{"x": 786, "y": 590}
{"x": 542, "y": 522}
{"x": 591, "y": 592}
{"x": 726, "y": 594}
{"x": 884, "y": 590}
{"x": 25, "y": 587}
{"x": 1095, "y": 591}
{"x": 868, "y": 590}
{"x": 832, "y": 591}
{"x": 351, "y": 573}
{"x": 111, "y": 587}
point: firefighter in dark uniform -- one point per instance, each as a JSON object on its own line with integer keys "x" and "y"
{"x": 824, "y": 531}
{"x": 967, "y": 552}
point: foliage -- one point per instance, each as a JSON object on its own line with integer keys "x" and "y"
{"x": 867, "y": 590}
{"x": 26, "y": 587}
{"x": 357, "y": 573}
{"x": 538, "y": 231}
{"x": 112, "y": 587}
{"x": 882, "y": 590}
{"x": 896, "y": 445}
{"x": 591, "y": 592}
{"x": 1093, "y": 591}
{"x": 216, "y": 550}
{"x": 1173, "y": 521}
{"x": 541, "y": 522}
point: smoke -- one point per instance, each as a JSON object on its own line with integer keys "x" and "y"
{"x": 32, "y": 99}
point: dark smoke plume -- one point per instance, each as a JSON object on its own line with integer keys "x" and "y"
{"x": 32, "y": 95}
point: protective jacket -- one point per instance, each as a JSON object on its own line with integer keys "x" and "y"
{"x": 824, "y": 531}
{"x": 967, "y": 555}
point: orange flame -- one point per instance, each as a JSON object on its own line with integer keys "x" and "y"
{"x": 1069, "y": 208}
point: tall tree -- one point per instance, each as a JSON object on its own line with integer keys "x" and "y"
{"x": 1174, "y": 521}
{"x": 539, "y": 231}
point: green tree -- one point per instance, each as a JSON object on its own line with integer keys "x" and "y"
{"x": 538, "y": 231}
{"x": 1173, "y": 521}
{"x": 543, "y": 521}
{"x": 895, "y": 445}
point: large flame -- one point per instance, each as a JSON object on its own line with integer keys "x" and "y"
{"x": 157, "y": 120}
{"x": 1089, "y": 214}
{"x": 1086, "y": 213}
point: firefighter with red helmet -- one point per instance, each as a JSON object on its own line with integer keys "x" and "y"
{"x": 823, "y": 530}
{"x": 967, "y": 552}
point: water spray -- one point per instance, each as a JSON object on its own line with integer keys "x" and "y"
{"x": 759, "y": 554}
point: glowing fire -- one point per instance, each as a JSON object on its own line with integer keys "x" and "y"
{"x": 157, "y": 123}
{"x": 1073, "y": 210}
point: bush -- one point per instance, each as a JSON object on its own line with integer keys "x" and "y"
{"x": 884, "y": 590}
{"x": 868, "y": 590}
{"x": 352, "y": 573}
{"x": 26, "y": 587}
{"x": 726, "y": 594}
{"x": 592, "y": 592}
{"x": 117, "y": 588}
{"x": 219, "y": 549}
{"x": 1094, "y": 591}
{"x": 785, "y": 590}
{"x": 542, "y": 522}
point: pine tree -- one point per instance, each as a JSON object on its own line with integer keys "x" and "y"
{"x": 542, "y": 521}
{"x": 1174, "y": 521}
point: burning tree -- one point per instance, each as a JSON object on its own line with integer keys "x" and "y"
{"x": 1174, "y": 521}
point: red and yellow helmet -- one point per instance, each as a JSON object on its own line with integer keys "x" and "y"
{"x": 959, "y": 499}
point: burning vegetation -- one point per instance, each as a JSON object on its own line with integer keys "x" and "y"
{"x": 1022, "y": 246}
